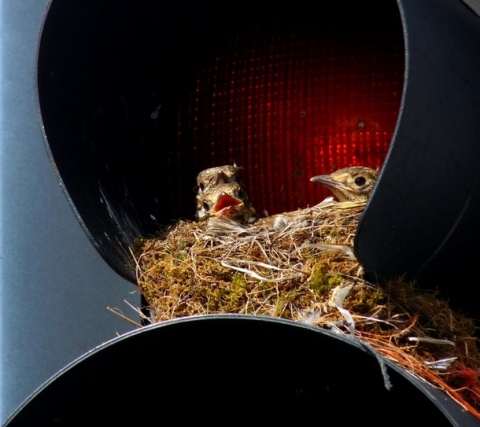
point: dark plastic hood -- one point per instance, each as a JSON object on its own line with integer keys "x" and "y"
{"x": 246, "y": 369}
{"x": 423, "y": 218}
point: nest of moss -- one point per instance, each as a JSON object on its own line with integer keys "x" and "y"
{"x": 300, "y": 266}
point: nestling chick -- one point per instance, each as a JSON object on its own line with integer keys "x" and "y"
{"x": 221, "y": 193}
{"x": 352, "y": 184}
{"x": 213, "y": 177}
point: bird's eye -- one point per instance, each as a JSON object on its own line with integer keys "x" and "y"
{"x": 201, "y": 187}
{"x": 205, "y": 206}
{"x": 241, "y": 194}
{"x": 360, "y": 180}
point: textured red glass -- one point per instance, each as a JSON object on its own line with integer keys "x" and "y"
{"x": 288, "y": 106}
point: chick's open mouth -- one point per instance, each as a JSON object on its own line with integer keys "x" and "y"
{"x": 225, "y": 204}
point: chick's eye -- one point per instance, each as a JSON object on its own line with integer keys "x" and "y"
{"x": 360, "y": 180}
{"x": 201, "y": 187}
{"x": 205, "y": 206}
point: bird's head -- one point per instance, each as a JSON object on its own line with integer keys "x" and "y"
{"x": 220, "y": 193}
{"x": 227, "y": 200}
{"x": 219, "y": 175}
{"x": 352, "y": 184}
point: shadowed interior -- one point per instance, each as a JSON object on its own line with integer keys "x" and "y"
{"x": 136, "y": 99}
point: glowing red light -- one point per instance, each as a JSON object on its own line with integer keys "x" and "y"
{"x": 295, "y": 105}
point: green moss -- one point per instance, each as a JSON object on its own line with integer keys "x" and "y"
{"x": 234, "y": 293}
{"x": 321, "y": 280}
{"x": 282, "y": 303}
{"x": 239, "y": 281}
{"x": 366, "y": 299}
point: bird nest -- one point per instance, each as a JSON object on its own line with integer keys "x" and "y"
{"x": 300, "y": 266}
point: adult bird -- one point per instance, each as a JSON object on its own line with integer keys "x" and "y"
{"x": 222, "y": 194}
{"x": 353, "y": 184}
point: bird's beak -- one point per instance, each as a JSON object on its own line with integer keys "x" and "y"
{"x": 225, "y": 204}
{"x": 337, "y": 188}
{"x": 325, "y": 180}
